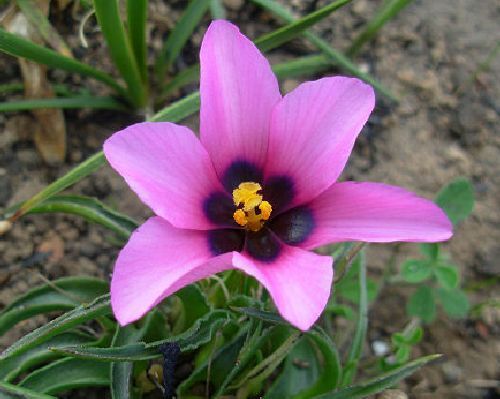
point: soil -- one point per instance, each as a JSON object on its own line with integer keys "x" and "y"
{"x": 446, "y": 125}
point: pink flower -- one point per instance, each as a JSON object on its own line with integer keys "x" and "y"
{"x": 288, "y": 152}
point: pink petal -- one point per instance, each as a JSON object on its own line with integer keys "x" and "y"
{"x": 166, "y": 165}
{"x": 238, "y": 91}
{"x": 313, "y": 130}
{"x": 375, "y": 212}
{"x": 158, "y": 260}
{"x": 299, "y": 282}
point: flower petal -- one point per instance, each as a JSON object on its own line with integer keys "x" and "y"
{"x": 375, "y": 212}
{"x": 166, "y": 165}
{"x": 238, "y": 91}
{"x": 299, "y": 282}
{"x": 158, "y": 260}
{"x": 313, "y": 130}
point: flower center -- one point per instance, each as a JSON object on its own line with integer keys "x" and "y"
{"x": 251, "y": 211}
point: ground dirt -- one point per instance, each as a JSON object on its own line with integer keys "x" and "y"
{"x": 445, "y": 126}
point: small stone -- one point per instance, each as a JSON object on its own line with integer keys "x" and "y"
{"x": 452, "y": 373}
{"x": 5, "y": 226}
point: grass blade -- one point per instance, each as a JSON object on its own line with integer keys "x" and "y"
{"x": 292, "y": 30}
{"x": 108, "y": 16}
{"x": 100, "y": 102}
{"x": 181, "y": 33}
{"x": 361, "y": 327}
{"x": 217, "y": 10}
{"x": 60, "y": 295}
{"x": 9, "y": 391}
{"x": 335, "y": 57}
{"x": 90, "y": 209}
{"x": 380, "y": 383}
{"x": 77, "y": 374}
{"x": 70, "y": 178}
{"x": 137, "y": 13}
{"x": 389, "y": 10}
{"x": 20, "y": 47}
{"x": 37, "y": 19}
{"x": 179, "y": 109}
{"x": 81, "y": 314}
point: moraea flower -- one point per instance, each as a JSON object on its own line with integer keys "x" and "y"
{"x": 258, "y": 190}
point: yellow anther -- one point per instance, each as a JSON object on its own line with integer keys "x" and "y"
{"x": 265, "y": 210}
{"x": 240, "y": 217}
{"x": 248, "y": 200}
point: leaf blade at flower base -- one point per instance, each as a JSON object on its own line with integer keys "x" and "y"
{"x": 99, "y": 307}
{"x": 9, "y": 391}
{"x": 378, "y": 384}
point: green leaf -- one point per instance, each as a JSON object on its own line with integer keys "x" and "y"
{"x": 331, "y": 55}
{"x": 121, "y": 373}
{"x": 388, "y": 10}
{"x": 455, "y": 302}
{"x": 137, "y": 13}
{"x": 421, "y": 304}
{"x": 77, "y": 316}
{"x": 11, "y": 367}
{"x": 415, "y": 335}
{"x": 217, "y": 9}
{"x": 20, "y": 47}
{"x": 403, "y": 354}
{"x": 380, "y": 383}
{"x": 416, "y": 270}
{"x": 348, "y": 287}
{"x": 90, "y": 209}
{"x": 8, "y": 391}
{"x": 359, "y": 338}
{"x": 63, "y": 294}
{"x": 194, "y": 304}
{"x": 179, "y": 35}
{"x": 301, "y": 66}
{"x": 457, "y": 199}
{"x": 73, "y": 176}
{"x": 219, "y": 365}
{"x": 292, "y": 30}
{"x": 120, "y": 49}
{"x": 66, "y": 374}
{"x": 447, "y": 276}
{"x": 179, "y": 109}
{"x": 104, "y": 102}
{"x": 183, "y": 78}
{"x": 199, "y": 334}
{"x": 261, "y": 315}
{"x": 430, "y": 250}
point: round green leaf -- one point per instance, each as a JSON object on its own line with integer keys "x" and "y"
{"x": 416, "y": 270}
{"x": 457, "y": 199}
{"x": 447, "y": 276}
{"x": 421, "y": 304}
{"x": 455, "y": 302}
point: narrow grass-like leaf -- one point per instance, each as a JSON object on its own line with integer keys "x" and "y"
{"x": 121, "y": 373}
{"x": 137, "y": 13}
{"x": 334, "y": 57}
{"x": 13, "y": 366}
{"x": 90, "y": 209}
{"x": 180, "y": 34}
{"x": 73, "y": 176}
{"x": 261, "y": 315}
{"x": 9, "y": 391}
{"x": 120, "y": 49}
{"x": 60, "y": 295}
{"x": 294, "y": 29}
{"x": 388, "y": 10}
{"x": 20, "y": 47}
{"x": 359, "y": 338}
{"x": 66, "y": 374}
{"x": 38, "y": 20}
{"x": 217, "y": 9}
{"x": 77, "y": 316}
{"x": 187, "y": 76}
{"x": 103, "y": 102}
{"x": 199, "y": 334}
{"x": 180, "y": 109}
{"x": 300, "y": 66}
{"x": 380, "y": 383}
{"x": 9, "y": 88}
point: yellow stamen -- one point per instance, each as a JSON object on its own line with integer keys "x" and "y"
{"x": 248, "y": 200}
